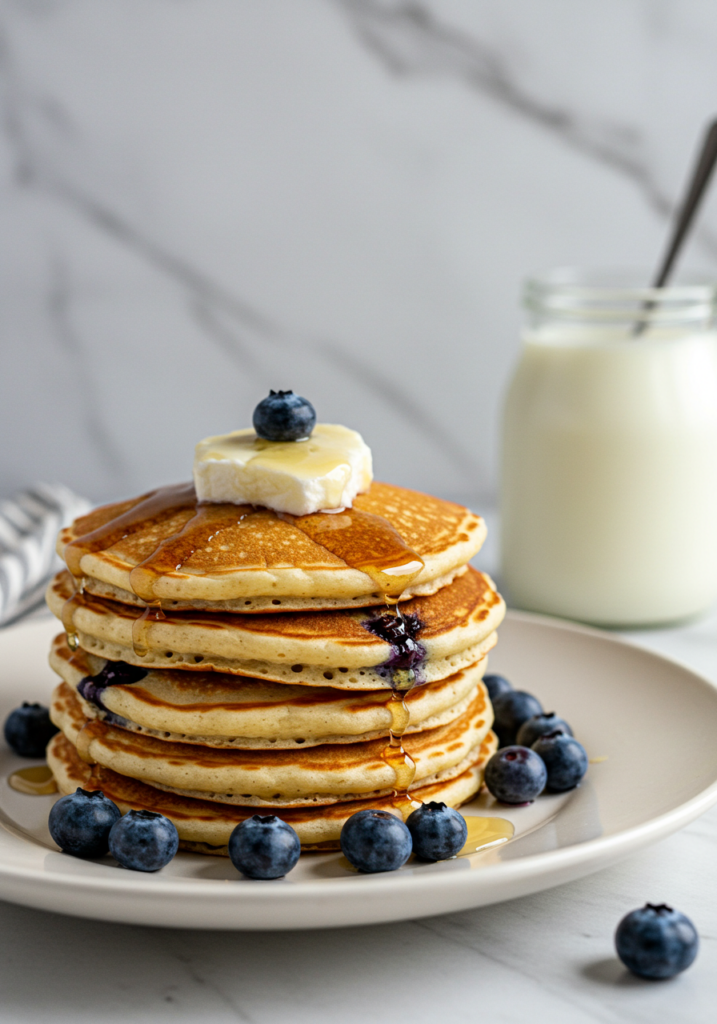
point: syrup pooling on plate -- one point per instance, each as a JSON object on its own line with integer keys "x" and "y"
{"x": 37, "y": 780}
{"x": 485, "y": 832}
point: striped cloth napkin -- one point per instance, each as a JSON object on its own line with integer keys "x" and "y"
{"x": 29, "y": 524}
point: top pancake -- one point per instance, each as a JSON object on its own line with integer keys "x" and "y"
{"x": 249, "y": 559}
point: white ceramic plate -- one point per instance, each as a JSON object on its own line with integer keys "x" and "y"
{"x": 649, "y": 721}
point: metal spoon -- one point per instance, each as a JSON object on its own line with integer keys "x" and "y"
{"x": 696, "y": 190}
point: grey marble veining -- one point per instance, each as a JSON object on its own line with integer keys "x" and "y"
{"x": 413, "y": 39}
{"x": 201, "y": 200}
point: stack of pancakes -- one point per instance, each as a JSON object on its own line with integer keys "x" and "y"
{"x": 259, "y": 678}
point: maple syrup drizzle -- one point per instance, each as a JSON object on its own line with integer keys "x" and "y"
{"x": 208, "y": 521}
{"x": 68, "y": 616}
{"x": 366, "y": 542}
{"x": 37, "y": 780}
{"x": 141, "y": 627}
{"x": 371, "y": 544}
{"x": 155, "y": 505}
{"x": 407, "y": 654}
{"x": 397, "y": 758}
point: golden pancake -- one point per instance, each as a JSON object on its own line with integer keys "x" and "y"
{"x": 219, "y": 710}
{"x": 190, "y": 553}
{"x": 249, "y": 605}
{"x": 317, "y": 775}
{"x": 459, "y": 618}
{"x": 205, "y": 826}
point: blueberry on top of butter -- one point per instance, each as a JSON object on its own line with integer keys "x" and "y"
{"x": 284, "y": 416}
{"x": 320, "y": 473}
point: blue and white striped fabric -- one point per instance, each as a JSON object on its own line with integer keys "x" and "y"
{"x": 29, "y": 524}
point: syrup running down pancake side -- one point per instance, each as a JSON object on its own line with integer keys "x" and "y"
{"x": 370, "y": 543}
{"x": 364, "y": 541}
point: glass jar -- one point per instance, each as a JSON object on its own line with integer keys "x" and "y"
{"x": 609, "y": 461}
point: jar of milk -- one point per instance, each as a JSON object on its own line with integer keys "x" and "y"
{"x": 609, "y": 465}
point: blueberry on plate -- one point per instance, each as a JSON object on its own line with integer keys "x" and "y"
{"x": 143, "y": 841}
{"x": 538, "y": 725}
{"x": 28, "y": 730}
{"x": 80, "y": 823}
{"x": 264, "y": 847}
{"x": 656, "y": 941}
{"x": 284, "y": 416}
{"x": 515, "y": 775}
{"x": 511, "y": 709}
{"x": 565, "y": 759}
{"x": 375, "y": 841}
{"x": 496, "y": 685}
{"x": 438, "y": 832}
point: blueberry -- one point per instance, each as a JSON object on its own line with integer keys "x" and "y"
{"x": 538, "y": 725}
{"x": 80, "y": 823}
{"x": 375, "y": 841}
{"x": 438, "y": 832}
{"x": 656, "y": 941}
{"x": 143, "y": 841}
{"x": 496, "y": 685}
{"x": 284, "y": 416}
{"x": 28, "y": 730}
{"x": 564, "y": 758}
{"x": 264, "y": 847}
{"x": 515, "y": 775}
{"x": 511, "y": 709}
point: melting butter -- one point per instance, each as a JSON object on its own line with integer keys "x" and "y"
{"x": 326, "y": 471}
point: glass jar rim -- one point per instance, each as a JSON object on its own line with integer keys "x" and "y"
{"x": 618, "y": 295}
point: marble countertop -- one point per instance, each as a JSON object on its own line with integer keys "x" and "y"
{"x": 547, "y": 957}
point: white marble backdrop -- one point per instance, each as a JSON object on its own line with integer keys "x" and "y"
{"x": 202, "y": 199}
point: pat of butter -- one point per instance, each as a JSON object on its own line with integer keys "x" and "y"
{"x": 326, "y": 471}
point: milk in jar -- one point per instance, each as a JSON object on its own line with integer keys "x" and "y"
{"x": 609, "y": 462}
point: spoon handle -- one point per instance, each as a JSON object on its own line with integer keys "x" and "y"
{"x": 695, "y": 193}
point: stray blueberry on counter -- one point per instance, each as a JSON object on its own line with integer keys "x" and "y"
{"x": 511, "y": 709}
{"x": 564, "y": 758}
{"x": 656, "y": 941}
{"x": 284, "y": 416}
{"x": 438, "y": 832}
{"x": 538, "y": 725}
{"x": 496, "y": 685}
{"x": 143, "y": 841}
{"x": 375, "y": 841}
{"x": 28, "y": 730}
{"x": 264, "y": 847}
{"x": 80, "y": 823}
{"x": 515, "y": 775}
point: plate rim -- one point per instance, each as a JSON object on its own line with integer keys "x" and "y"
{"x": 595, "y": 853}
